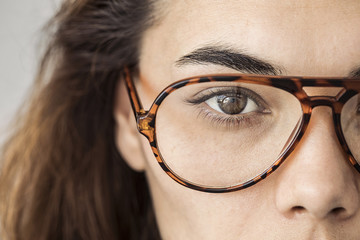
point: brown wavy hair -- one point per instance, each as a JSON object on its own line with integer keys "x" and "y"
{"x": 61, "y": 175}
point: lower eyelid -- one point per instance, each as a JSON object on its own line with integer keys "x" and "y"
{"x": 232, "y": 122}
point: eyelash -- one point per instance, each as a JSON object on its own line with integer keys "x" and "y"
{"x": 229, "y": 121}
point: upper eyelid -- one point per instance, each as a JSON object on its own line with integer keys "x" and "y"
{"x": 213, "y": 91}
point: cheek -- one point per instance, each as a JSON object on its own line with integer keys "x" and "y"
{"x": 200, "y": 214}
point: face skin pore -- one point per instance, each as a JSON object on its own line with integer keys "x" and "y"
{"x": 315, "y": 193}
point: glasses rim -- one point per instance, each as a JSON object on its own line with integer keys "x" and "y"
{"x": 294, "y": 85}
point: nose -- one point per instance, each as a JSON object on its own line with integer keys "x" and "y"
{"x": 317, "y": 181}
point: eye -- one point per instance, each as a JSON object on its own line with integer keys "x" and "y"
{"x": 232, "y": 104}
{"x": 232, "y": 107}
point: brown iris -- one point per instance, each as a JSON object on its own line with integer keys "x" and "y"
{"x": 232, "y": 104}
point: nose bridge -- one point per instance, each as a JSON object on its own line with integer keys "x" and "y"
{"x": 334, "y": 107}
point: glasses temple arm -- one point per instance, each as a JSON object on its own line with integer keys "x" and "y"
{"x": 133, "y": 95}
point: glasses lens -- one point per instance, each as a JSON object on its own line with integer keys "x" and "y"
{"x": 350, "y": 124}
{"x": 221, "y": 134}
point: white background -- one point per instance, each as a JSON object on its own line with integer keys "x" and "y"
{"x": 20, "y": 34}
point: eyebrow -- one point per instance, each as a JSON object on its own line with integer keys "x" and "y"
{"x": 228, "y": 57}
{"x": 355, "y": 72}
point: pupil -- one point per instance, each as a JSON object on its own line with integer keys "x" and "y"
{"x": 232, "y": 104}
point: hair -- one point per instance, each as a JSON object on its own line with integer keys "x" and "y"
{"x": 62, "y": 176}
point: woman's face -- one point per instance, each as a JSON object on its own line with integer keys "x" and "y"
{"x": 315, "y": 193}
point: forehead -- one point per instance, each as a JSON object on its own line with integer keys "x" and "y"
{"x": 304, "y": 37}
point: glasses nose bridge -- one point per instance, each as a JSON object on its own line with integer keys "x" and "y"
{"x": 336, "y": 108}
{"x": 317, "y": 101}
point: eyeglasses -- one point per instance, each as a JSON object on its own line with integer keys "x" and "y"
{"x": 228, "y": 132}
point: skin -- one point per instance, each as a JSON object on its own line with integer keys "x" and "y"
{"x": 315, "y": 193}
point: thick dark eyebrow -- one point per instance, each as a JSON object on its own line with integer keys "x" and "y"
{"x": 355, "y": 72}
{"x": 230, "y": 58}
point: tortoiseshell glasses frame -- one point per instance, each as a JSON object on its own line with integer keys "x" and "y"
{"x": 294, "y": 85}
